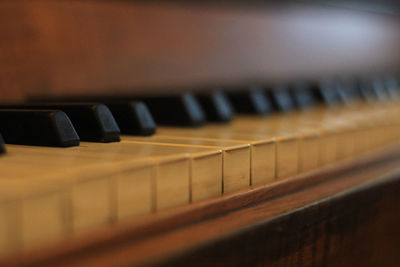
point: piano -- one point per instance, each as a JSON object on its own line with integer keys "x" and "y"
{"x": 188, "y": 133}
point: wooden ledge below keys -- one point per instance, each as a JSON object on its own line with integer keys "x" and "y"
{"x": 171, "y": 235}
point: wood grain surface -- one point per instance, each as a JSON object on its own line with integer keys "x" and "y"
{"x": 57, "y": 48}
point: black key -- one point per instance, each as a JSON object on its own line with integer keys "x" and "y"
{"x": 379, "y": 88}
{"x": 367, "y": 91}
{"x": 253, "y": 101}
{"x": 347, "y": 90}
{"x": 216, "y": 106}
{"x": 133, "y": 118}
{"x": 392, "y": 85}
{"x": 326, "y": 92}
{"x": 303, "y": 96}
{"x": 181, "y": 110}
{"x": 281, "y": 99}
{"x": 37, "y": 127}
{"x": 93, "y": 122}
{"x": 2, "y": 145}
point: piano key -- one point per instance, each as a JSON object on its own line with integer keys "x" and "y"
{"x": 96, "y": 182}
{"x": 366, "y": 90}
{"x": 303, "y": 96}
{"x": 2, "y": 145}
{"x": 342, "y": 133}
{"x": 326, "y": 92}
{"x": 347, "y": 91}
{"x": 311, "y": 129}
{"x": 6, "y": 247}
{"x": 93, "y": 122}
{"x": 205, "y": 172}
{"x": 379, "y": 88}
{"x": 44, "y": 170}
{"x": 130, "y": 181}
{"x": 309, "y": 149}
{"x": 206, "y": 168}
{"x": 236, "y": 157}
{"x": 133, "y": 118}
{"x": 350, "y": 126}
{"x": 262, "y": 150}
{"x": 345, "y": 134}
{"x": 252, "y": 101}
{"x": 89, "y": 203}
{"x": 281, "y": 99}
{"x": 287, "y": 144}
{"x": 347, "y": 125}
{"x": 91, "y": 198}
{"x": 363, "y": 129}
{"x": 35, "y": 173}
{"x": 182, "y": 110}
{"x": 37, "y": 127}
{"x": 392, "y": 85}
{"x": 324, "y": 137}
{"x": 18, "y": 204}
{"x": 366, "y": 125}
{"x": 272, "y": 123}
{"x": 216, "y": 106}
{"x": 384, "y": 124}
{"x": 328, "y": 145}
{"x": 343, "y": 130}
{"x": 353, "y": 127}
{"x": 287, "y": 153}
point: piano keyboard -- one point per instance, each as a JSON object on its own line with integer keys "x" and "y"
{"x": 100, "y": 177}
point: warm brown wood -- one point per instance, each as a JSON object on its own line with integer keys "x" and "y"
{"x": 53, "y": 48}
{"x": 182, "y": 231}
{"x": 337, "y": 215}
{"x": 355, "y": 228}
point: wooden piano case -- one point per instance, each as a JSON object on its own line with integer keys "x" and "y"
{"x": 345, "y": 214}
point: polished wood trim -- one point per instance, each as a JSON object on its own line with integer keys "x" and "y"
{"x": 69, "y": 48}
{"x": 172, "y": 232}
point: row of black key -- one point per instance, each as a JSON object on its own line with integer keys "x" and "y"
{"x": 65, "y": 124}
{"x": 93, "y": 122}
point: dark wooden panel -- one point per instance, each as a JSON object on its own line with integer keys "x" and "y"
{"x": 109, "y": 47}
{"x": 357, "y": 229}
